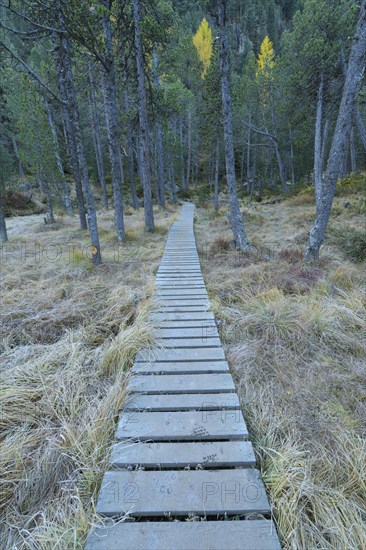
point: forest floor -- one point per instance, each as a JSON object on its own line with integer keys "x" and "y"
{"x": 294, "y": 335}
{"x": 68, "y": 335}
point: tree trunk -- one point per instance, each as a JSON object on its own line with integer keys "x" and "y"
{"x": 248, "y": 147}
{"x": 144, "y": 129}
{"x": 318, "y": 173}
{"x": 111, "y": 113}
{"x": 355, "y": 71}
{"x": 216, "y": 182}
{"x": 3, "y": 231}
{"x": 182, "y": 154}
{"x": 97, "y": 137}
{"x": 67, "y": 111}
{"x": 45, "y": 189}
{"x": 65, "y": 187}
{"x": 352, "y": 150}
{"x": 324, "y": 144}
{"x": 189, "y": 150}
{"x": 292, "y": 157}
{"x": 361, "y": 127}
{"x": 159, "y": 134}
{"x": 131, "y": 163}
{"x": 241, "y": 239}
{"x": 65, "y": 77}
{"x": 17, "y": 156}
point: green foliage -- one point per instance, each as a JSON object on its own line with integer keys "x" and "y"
{"x": 352, "y": 184}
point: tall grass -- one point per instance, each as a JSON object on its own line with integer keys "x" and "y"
{"x": 295, "y": 336}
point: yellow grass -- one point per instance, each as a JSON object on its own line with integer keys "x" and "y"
{"x": 294, "y": 334}
{"x": 69, "y": 333}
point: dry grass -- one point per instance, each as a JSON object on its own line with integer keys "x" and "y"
{"x": 69, "y": 333}
{"x": 294, "y": 334}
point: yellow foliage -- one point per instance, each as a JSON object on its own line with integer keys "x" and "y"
{"x": 203, "y": 43}
{"x": 265, "y": 60}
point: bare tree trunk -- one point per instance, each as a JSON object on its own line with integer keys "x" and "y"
{"x": 361, "y": 127}
{"x": 318, "y": 174}
{"x": 189, "y": 137}
{"x": 292, "y": 157}
{"x": 352, "y": 149}
{"x": 240, "y": 237}
{"x": 248, "y": 147}
{"x": 65, "y": 77}
{"x": 65, "y": 187}
{"x": 97, "y": 137}
{"x": 355, "y": 71}
{"x": 59, "y": 52}
{"x": 216, "y": 182}
{"x": 17, "y": 156}
{"x": 45, "y": 189}
{"x": 131, "y": 163}
{"x": 172, "y": 188}
{"x": 324, "y": 144}
{"x": 111, "y": 113}
{"x": 159, "y": 135}
{"x": 144, "y": 129}
{"x": 182, "y": 154}
{"x": 3, "y": 231}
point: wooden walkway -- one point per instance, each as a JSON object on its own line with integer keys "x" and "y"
{"x": 182, "y": 465}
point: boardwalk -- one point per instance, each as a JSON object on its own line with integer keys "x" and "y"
{"x": 182, "y": 453}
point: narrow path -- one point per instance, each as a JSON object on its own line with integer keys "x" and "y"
{"x": 182, "y": 449}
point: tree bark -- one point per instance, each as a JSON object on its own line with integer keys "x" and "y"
{"x": 355, "y": 71}
{"x": 159, "y": 135}
{"x": 65, "y": 187}
{"x": 189, "y": 138}
{"x": 318, "y": 173}
{"x": 65, "y": 78}
{"x": 97, "y": 137}
{"x": 352, "y": 150}
{"x": 111, "y": 113}
{"x": 67, "y": 110}
{"x": 144, "y": 129}
{"x": 184, "y": 181}
{"x": 361, "y": 127}
{"x": 3, "y": 232}
{"x": 216, "y": 181}
{"x": 131, "y": 163}
{"x": 16, "y": 153}
{"x": 240, "y": 237}
{"x": 324, "y": 144}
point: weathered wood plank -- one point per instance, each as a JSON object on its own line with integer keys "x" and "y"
{"x": 196, "y": 354}
{"x": 210, "y": 454}
{"x": 202, "y": 535}
{"x": 180, "y": 493}
{"x": 202, "y": 333}
{"x": 181, "y": 367}
{"x": 195, "y": 383}
{"x": 191, "y": 343}
{"x": 182, "y": 426}
{"x": 182, "y": 402}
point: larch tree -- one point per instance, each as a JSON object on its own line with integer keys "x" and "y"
{"x": 203, "y": 43}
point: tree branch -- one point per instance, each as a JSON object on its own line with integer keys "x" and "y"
{"x": 31, "y": 72}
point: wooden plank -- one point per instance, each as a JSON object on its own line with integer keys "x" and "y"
{"x": 207, "y": 325}
{"x": 195, "y": 383}
{"x": 210, "y": 454}
{"x": 182, "y": 316}
{"x": 181, "y": 302}
{"x": 180, "y": 493}
{"x": 196, "y": 354}
{"x": 191, "y": 343}
{"x": 182, "y": 426}
{"x": 182, "y": 402}
{"x": 202, "y": 332}
{"x": 183, "y": 535}
{"x": 183, "y": 367}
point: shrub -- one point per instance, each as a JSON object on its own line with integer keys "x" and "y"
{"x": 219, "y": 246}
{"x": 352, "y": 184}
